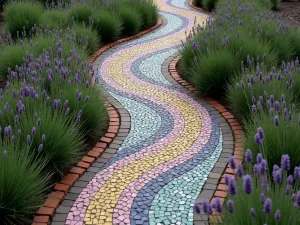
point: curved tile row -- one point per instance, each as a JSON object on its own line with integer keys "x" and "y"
{"x": 173, "y": 142}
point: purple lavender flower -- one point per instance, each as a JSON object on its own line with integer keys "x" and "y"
{"x": 290, "y": 180}
{"x": 28, "y": 140}
{"x": 232, "y": 163}
{"x": 247, "y": 184}
{"x": 197, "y": 207}
{"x": 209, "y": 209}
{"x": 67, "y": 111}
{"x": 253, "y": 100}
{"x": 288, "y": 190}
{"x": 39, "y": 121}
{"x": 260, "y": 132}
{"x": 257, "y": 139}
{"x": 232, "y": 187}
{"x": 33, "y": 131}
{"x": 256, "y": 169}
{"x": 66, "y": 104}
{"x": 243, "y": 84}
{"x": 277, "y": 106}
{"x": 205, "y": 206}
{"x": 16, "y": 119}
{"x": 277, "y": 215}
{"x": 217, "y": 205}
{"x": 13, "y": 138}
{"x": 298, "y": 198}
{"x": 248, "y": 156}
{"x": 262, "y": 198}
{"x": 276, "y": 121}
{"x": 252, "y": 212}
{"x": 272, "y": 99}
{"x": 240, "y": 171}
{"x": 86, "y": 99}
{"x": 268, "y": 206}
{"x": 278, "y": 176}
{"x": 227, "y": 179}
{"x": 293, "y": 198}
{"x": 297, "y": 173}
{"x": 259, "y": 158}
{"x": 254, "y": 108}
{"x": 230, "y": 206}
{"x": 263, "y": 167}
{"x": 285, "y": 162}
{"x": 40, "y": 148}
{"x": 43, "y": 138}
{"x": 80, "y": 96}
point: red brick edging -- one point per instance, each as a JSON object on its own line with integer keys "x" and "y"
{"x": 198, "y": 8}
{"x": 46, "y": 212}
{"x": 238, "y": 133}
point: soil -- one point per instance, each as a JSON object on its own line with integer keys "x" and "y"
{"x": 290, "y": 10}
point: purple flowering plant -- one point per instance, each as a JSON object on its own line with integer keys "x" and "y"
{"x": 256, "y": 196}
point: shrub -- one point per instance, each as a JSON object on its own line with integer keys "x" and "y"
{"x": 108, "y": 25}
{"x": 244, "y": 46}
{"x": 22, "y": 16}
{"x": 54, "y": 19}
{"x": 22, "y": 181}
{"x": 132, "y": 20}
{"x": 257, "y": 198}
{"x": 280, "y": 127}
{"x": 212, "y": 72}
{"x": 14, "y": 54}
{"x": 254, "y": 89}
{"x": 148, "y": 12}
{"x": 80, "y": 13}
{"x": 87, "y": 38}
{"x": 209, "y": 4}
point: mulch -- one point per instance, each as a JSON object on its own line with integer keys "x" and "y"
{"x": 290, "y": 10}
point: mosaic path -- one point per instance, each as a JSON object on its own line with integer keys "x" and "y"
{"x": 160, "y": 168}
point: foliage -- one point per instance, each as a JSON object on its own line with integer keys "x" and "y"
{"x": 87, "y": 38}
{"x": 108, "y": 25}
{"x": 80, "y": 13}
{"x": 209, "y": 4}
{"x": 22, "y": 181}
{"x": 54, "y": 19}
{"x": 21, "y": 17}
{"x": 211, "y": 74}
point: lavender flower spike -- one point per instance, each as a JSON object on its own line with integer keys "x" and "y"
{"x": 276, "y": 121}
{"x": 232, "y": 189}
{"x": 252, "y": 212}
{"x": 205, "y": 206}
{"x": 217, "y": 205}
{"x": 285, "y": 162}
{"x": 259, "y": 158}
{"x": 197, "y": 207}
{"x": 248, "y": 156}
{"x": 240, "y": 171}
{"x": 232, "y": 163}
{"x": 268, "y": 206}
{"x": 260, "y": 132}
{"x": 247, "y": 184}
{"x": 230, "y": 206}
{"x": 28, "y": 139}
{"x": 262, "y": 198}
{"x": 297, "y": 173}
{"x": 257, "y": 139}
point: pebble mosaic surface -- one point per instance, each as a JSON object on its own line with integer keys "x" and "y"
{"x": 173, "y": 143}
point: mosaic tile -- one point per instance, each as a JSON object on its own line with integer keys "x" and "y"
{"x": 173, "y": 142}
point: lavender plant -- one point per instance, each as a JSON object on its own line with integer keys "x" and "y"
{"x": 255, "y": 197}
{"x": 23, "y": 181}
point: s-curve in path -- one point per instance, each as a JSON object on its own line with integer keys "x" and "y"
{"x": 174, "y": 142}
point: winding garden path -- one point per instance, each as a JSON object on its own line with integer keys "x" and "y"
{"x": 168, "y": 159}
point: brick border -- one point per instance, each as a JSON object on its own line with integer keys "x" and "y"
{"x": 215, "y": 184}
{"x": 198, "y": 8}
{"x": 59, "y": 202}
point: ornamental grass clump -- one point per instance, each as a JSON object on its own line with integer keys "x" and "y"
{"x": 54, "y": 19}
{"x": 253, "y": 90}
{"x": 256, "y": 197}
{"x": 23, "y": 181}
{"x": 21, "y": 16}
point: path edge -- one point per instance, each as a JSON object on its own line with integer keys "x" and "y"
{"x": 116, "y": 113}
{"x": 237, "y": 132}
